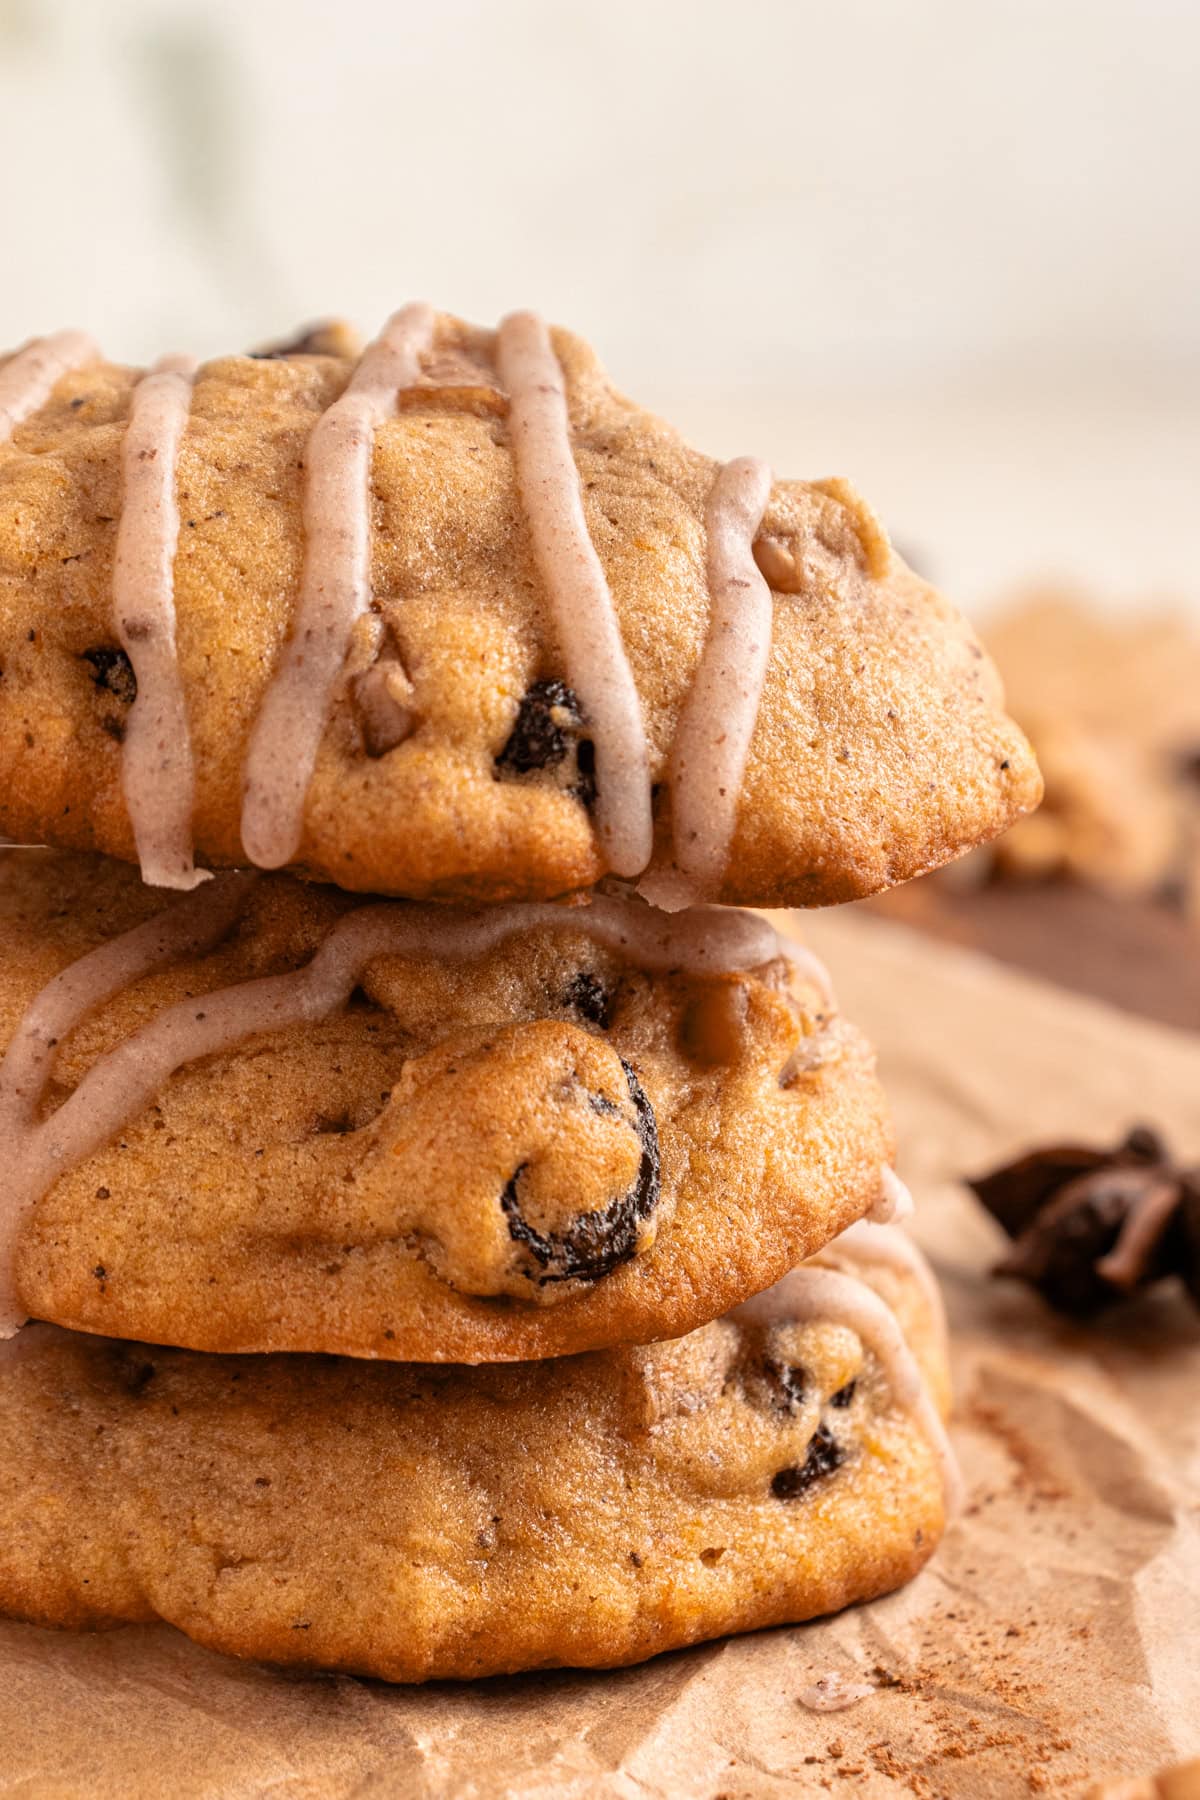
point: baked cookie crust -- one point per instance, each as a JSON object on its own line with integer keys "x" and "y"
{"x": 454, "y": 761}
{"x": 542, "y": 1148}
{"x": 415, "y": 1523}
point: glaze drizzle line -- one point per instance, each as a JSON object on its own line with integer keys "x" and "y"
{"x": 866, "y": 1242}
{"x": 894, "y": 1202}
{"x": 335, "y": 588}
{"x": 712, "y": 738}
{"x": 188, "y": 928}
{"x": 707, "y": 761}
{"x": 581, "y": 603}
{"x": 814, "y": 1293}
{"x": 157, "y": 771}
{"x": 709, "y": 941}
{"x": 29, "y": 378}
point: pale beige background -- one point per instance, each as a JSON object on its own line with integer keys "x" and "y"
{"x": 948, "y": 246}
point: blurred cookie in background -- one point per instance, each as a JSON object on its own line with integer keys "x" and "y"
{"x": 1099, "y": 889}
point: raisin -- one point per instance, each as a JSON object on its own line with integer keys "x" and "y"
{"x": 326, "y": 337}
{"x": 113, "y": 673}
{"x": 587, "y": 995}
{"x": 787, "y": 1383}
{"x": 546, "y": 736}
{"x": 825, "y": 1455}
{"x": 584, "y": 786}
{"x": 844, "y": 1395}
{"x": 538, "y": 740}
{"x": 598, "y": 1242}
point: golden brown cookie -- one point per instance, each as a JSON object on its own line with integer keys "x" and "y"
{"x": 467, "y": 748}
{"x": 1110, "y": 705}
{"x": 507, "y": 1136}
{"x": 1109, "y": 819}
{"x": 413, "y": 1523}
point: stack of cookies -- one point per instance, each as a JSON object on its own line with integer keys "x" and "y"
{"x": 456, "y": 1238}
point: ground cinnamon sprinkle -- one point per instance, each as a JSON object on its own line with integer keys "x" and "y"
{"x": 1033, "y": 1470}
{"x": 973, "y": 1702}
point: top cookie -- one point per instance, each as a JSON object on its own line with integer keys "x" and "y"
{"x": 457, "y": 621}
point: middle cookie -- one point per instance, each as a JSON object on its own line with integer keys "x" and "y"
{"x": 268, "y": 1117}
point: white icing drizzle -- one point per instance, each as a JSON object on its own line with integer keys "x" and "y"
{"x": 712, "y": 741}
{"x": 335, "y": 588}
{"x": 814, "y": 1293}
{"x": 867, "y": 1242}
{"x": 712, "y": 738}
{"x": 577, "y": 587}
{"x": 156, "y": 763}
{"x": 716, "y": 726}
{"x": 29, "y": 377}
{"x": 894, "y": 1202}
{"x": 804, "y": 960}
{"x": 710, "y": 941}
{"x": 186, "y": 929}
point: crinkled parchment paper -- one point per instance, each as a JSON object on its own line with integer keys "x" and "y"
{"x": 1054, "y": 1640}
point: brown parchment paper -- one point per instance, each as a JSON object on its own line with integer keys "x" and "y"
{"x": 1053, "y": 1641}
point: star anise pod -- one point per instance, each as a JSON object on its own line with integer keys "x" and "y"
{"x": 1090, "y": 1226}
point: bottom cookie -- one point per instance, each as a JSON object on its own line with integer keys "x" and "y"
{"x": 413, "y": 1521}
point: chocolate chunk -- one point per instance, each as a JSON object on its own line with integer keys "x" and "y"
{"x": 113, "y": 673}
{"x": 825, "y": 1455}
{"x": 587, "y": 995}
{"x": 597, "y": 1242}
{"x": 787, "y": 1382}
{"x": 546, "y": 736}
{"x": 844, "y": 1395}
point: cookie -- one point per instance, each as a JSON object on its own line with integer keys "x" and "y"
{"x": 457, "y": 621}
{"x": 1110, "y": 819}
{"x": 1110, "y": 705}
{"x": 1129, "y": 673}
{"x": 414, "y": 1523}
{"x": 1100, "y": 889}
{"x": 264, "y": 1116}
